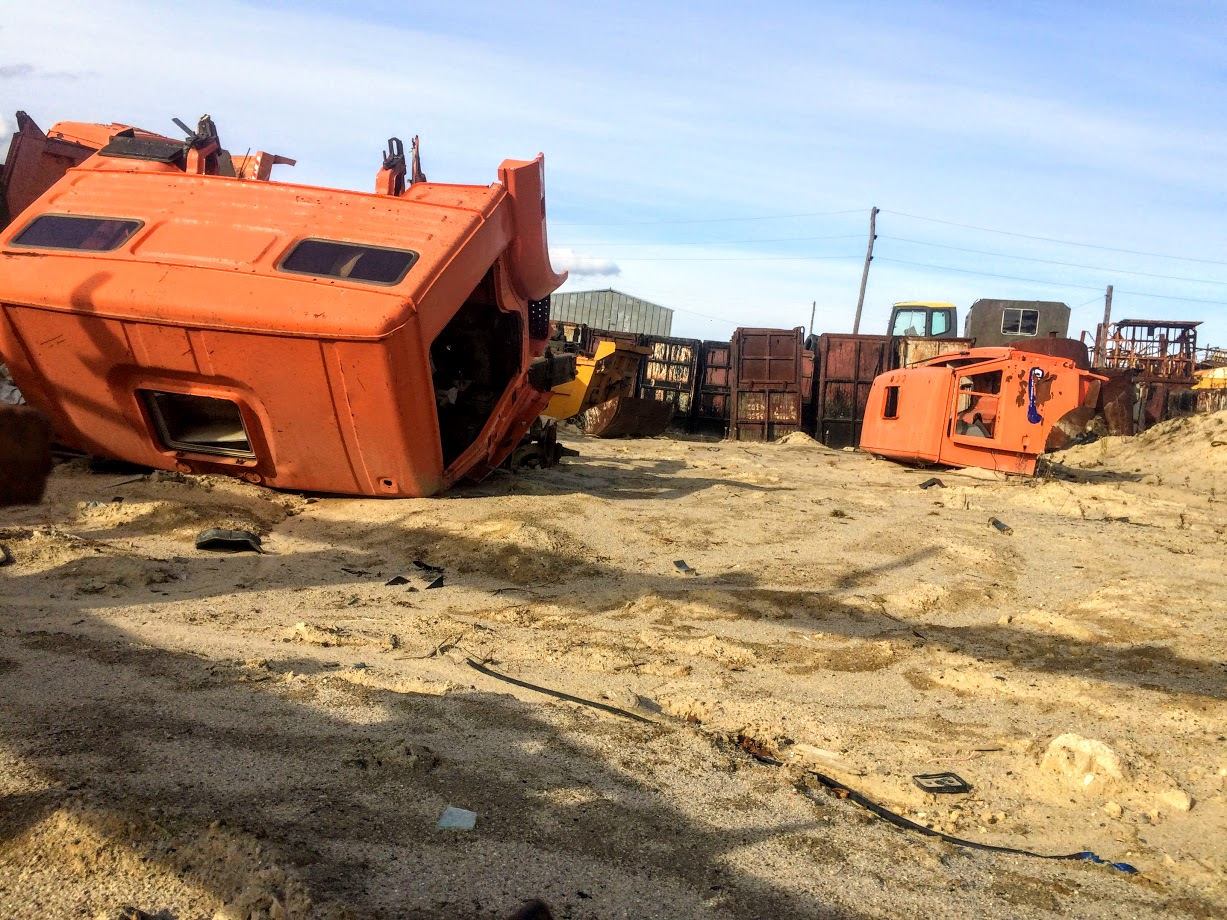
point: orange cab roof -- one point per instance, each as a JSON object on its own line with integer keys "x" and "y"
{"x": 231, "y": 235}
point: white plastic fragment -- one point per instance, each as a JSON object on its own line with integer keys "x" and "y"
{"x": 460, "y": 819}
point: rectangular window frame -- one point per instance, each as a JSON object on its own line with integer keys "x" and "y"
{"x": 1020, "y": 321}
{"x": 947, "y": 316}
{"x": 15, "y": 240}
{"x": 154, "y": 410}
{"x": 348, "y": 243}
{"x": 890, "y": 406}
{"x": 924, "y": 315}
{"x": 971, "y": 371}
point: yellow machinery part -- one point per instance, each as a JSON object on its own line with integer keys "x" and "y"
{"x": 1213, "y": 379}
{"x": 609, "y": 373}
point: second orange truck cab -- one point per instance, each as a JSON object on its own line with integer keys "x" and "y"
{"x": 988, "y": 407}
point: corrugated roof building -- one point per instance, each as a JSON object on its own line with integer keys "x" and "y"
{"x": 611, "y": 310}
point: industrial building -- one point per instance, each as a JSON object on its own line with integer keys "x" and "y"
{"x": 611, "y": 310}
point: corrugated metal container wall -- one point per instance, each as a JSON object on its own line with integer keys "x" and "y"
{"x": 846, "y": 366}
{"x": 715, "y": 370}
{"x": 670, "y": 373}
{"x": 767, "y": 367}
{"x": 807, "y": 385}
{"x": 612, "y": 310}
{"x": 1211, "y": 400}
{"x": 622, "y": 338}
{"x": 907, "y": 350}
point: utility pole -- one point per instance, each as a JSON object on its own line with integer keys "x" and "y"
{"x": 812, "y": 310}
{"x": 860, "y": 301}
{"x": 1101, "y": 340}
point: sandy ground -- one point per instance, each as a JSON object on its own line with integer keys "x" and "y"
{"x": 276, "y": 736}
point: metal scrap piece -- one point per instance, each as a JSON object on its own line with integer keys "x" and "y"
{"x": 233, "y": 541}
{"x": 942, "y": 783}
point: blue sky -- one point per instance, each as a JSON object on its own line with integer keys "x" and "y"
{"x": 718, "y": 158}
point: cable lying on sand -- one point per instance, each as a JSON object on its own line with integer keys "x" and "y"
{"x": 557, "y": 693}
{"x": 899, "y": 821}
{"x": 834, "y": 787}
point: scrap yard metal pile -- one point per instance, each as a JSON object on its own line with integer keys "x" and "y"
{"x": 794, "y": 625}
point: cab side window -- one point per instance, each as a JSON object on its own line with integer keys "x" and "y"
{"x": 976, "y": 409}
{"x": 909, "y": 322}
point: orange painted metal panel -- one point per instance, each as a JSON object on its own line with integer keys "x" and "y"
{"x": 334, "y": 379}
{"x": 974, "y": 409}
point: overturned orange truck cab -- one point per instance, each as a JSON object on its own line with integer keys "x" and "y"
{"x": 167, "y": 304}
{"x": 997, "y": 408}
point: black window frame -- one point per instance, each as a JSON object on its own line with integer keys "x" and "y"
{"x": 15, "y": 240}
{"x": 1022, "y": 313}
{"x": 152, "y": 406}
{"x": 947, "y": 315}
{"x": 904, "y": 311}
{"x": 413, "y": 253}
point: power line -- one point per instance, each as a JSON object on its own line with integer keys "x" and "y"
{"x": 1081, "y": 287}
{"x": 1048, "y": 239}
{"x": 782, "y": 239}
{"x": 736, "y": 259}
{"x": 1099, "y": 268}
{"x": 704, "y": 315}
{"x": 702, "y": 220}
{"x": 967, "y": 271}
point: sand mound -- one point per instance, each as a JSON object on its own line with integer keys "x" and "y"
{"x": 801, "y": 439}
{"x": 1191, "y": 449}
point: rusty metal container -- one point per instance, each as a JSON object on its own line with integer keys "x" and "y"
{"x": 807, "y": 377}
{"x": 1059, "y": 348}
{"x": 670, "y": 373}
{"x": 1116, "y": 400}
{"x": 766, "y": 383}
{"x": 1211, "y": 400}
{"x": 846, "y": 367}
{"x": 715, "y": 373}
{"x": 808, "y": 372}
{"x": 25, "y": 455}
{"x": 612, "y": 335}
{"x": 627, "y": 417}
{"x": 907, "y": 350}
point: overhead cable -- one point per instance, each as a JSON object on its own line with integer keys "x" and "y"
{"x": 701, "y": 220}
{"x": 782, "y": 239}
{"x": 1081, "y": 287}
{"x": 1101, "y": 268}
{"x": 1048, "y": 239}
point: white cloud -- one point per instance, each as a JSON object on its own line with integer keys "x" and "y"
{"x": 579, "y": 266}
{"x": 658, "y": 129}
{"x": 6, "y": 134}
